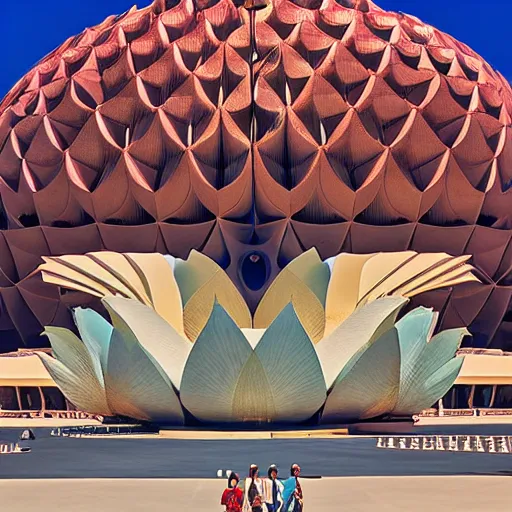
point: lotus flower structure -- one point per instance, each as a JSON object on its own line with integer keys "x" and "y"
{"x": 322, "y": 345}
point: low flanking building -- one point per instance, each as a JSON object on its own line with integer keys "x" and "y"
{"x": 484, "y": 382}
{"x": 27, "y": 390}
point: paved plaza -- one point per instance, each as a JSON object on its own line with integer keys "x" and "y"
{"x": 128, "y": 457}
{"x": 357, "y": 494}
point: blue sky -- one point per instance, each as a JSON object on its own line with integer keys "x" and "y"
{"x": 29, "y": 29}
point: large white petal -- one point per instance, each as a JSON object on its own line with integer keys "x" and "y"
{"x": 137, "y": 387}
{"x": 363, "y": 326}
{"x": 213, "y": 368}
{"x": 292, "y": 368}
{"x": 368, "y": 385}
{"x": 158, "y": 338}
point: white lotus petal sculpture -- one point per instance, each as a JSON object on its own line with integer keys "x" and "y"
{"x": 323, "y": 345}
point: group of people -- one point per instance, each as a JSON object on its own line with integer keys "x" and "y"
{"x": 264, "y": 494}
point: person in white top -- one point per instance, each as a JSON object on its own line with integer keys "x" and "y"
{"x": 254, "y": 495}
{"x": 273, "y": 490}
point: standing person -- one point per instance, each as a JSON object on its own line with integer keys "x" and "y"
{"x": 254, "y": 500}
{"x": 292, "y": 494}
{"x": 233, "y": 496}
{"x": 273, "y": 490}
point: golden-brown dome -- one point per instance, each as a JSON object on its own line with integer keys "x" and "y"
{"x": 372, "y": 132}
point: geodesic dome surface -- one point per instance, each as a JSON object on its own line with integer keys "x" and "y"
{"x": 372, "y": 132}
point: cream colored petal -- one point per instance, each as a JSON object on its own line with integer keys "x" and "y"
{"x": 303, "y": 282}
{"x": 65, "y": 283}
{"x": 137, "y": 386}
{"x": 213, "y": 368}
{"x": 159, "y": 283}
{"x": 379, "y": 273}
{"x": 368, "y": 386}
{"x": 421, "y": 273}
{"x": 343, "y": 290}
{"x": 359, "y": 279}
{"x": 362, "y": 327}
{"x": 310, "y": 269}
{"x": 201, "y": 281}
{"x": 453, "y": 278}
{"x": 122, "y": 269}
{"x": 157, "y": 338}
{"x": 444, "y": 269}
{"x": 147, "y": 278}
{"x": 56, "y": 273}
{"x": 89, "y": 268}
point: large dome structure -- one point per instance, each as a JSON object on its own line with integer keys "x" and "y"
{"x": 330, "y": 124}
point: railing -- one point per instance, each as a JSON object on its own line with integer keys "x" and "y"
{"x": 70, "y": 415}
{"x": 7, "y": 448}
{"x": 102, "y": 430}
{"x": 434, "y": 413}
{"x": 494, "y": 412}
{"x": 457, "y": 443}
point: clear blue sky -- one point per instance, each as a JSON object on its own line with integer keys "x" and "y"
{"x": 29, "y": 29}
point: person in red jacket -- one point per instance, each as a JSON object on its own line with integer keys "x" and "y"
{"x": 233, "y": 496}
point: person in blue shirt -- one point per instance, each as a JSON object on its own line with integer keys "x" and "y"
{"x": 292, "y": 493}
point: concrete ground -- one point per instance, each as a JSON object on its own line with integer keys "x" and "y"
{"x": 357, "y": 494}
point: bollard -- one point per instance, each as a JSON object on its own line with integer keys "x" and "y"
{"x": 415, "y": 443}
{"x": 502, "y": 445}
{"x": 491, "y": 445}
{"x": 453, "y": 444}
{"x": 428, "y": 443}
{"x": 467, "y": 445}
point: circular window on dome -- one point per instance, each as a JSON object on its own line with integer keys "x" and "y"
{"x": 254, "y": 270}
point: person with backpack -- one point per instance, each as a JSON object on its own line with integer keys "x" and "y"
{"x": 233, "y": 496}
{"x": 254, "y": 497}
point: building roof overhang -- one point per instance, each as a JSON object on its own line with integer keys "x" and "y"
{"x": 24, "y": 370}
{"x": 483, "y": 369}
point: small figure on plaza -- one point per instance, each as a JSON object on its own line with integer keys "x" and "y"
{"x": 233, "y": 496}
{"x": 273, "y": 490}
{"x": 292, "y": 494}
{"x": 254, "y": 497}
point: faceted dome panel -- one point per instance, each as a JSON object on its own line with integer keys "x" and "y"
{"x": 343, "y": 127}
